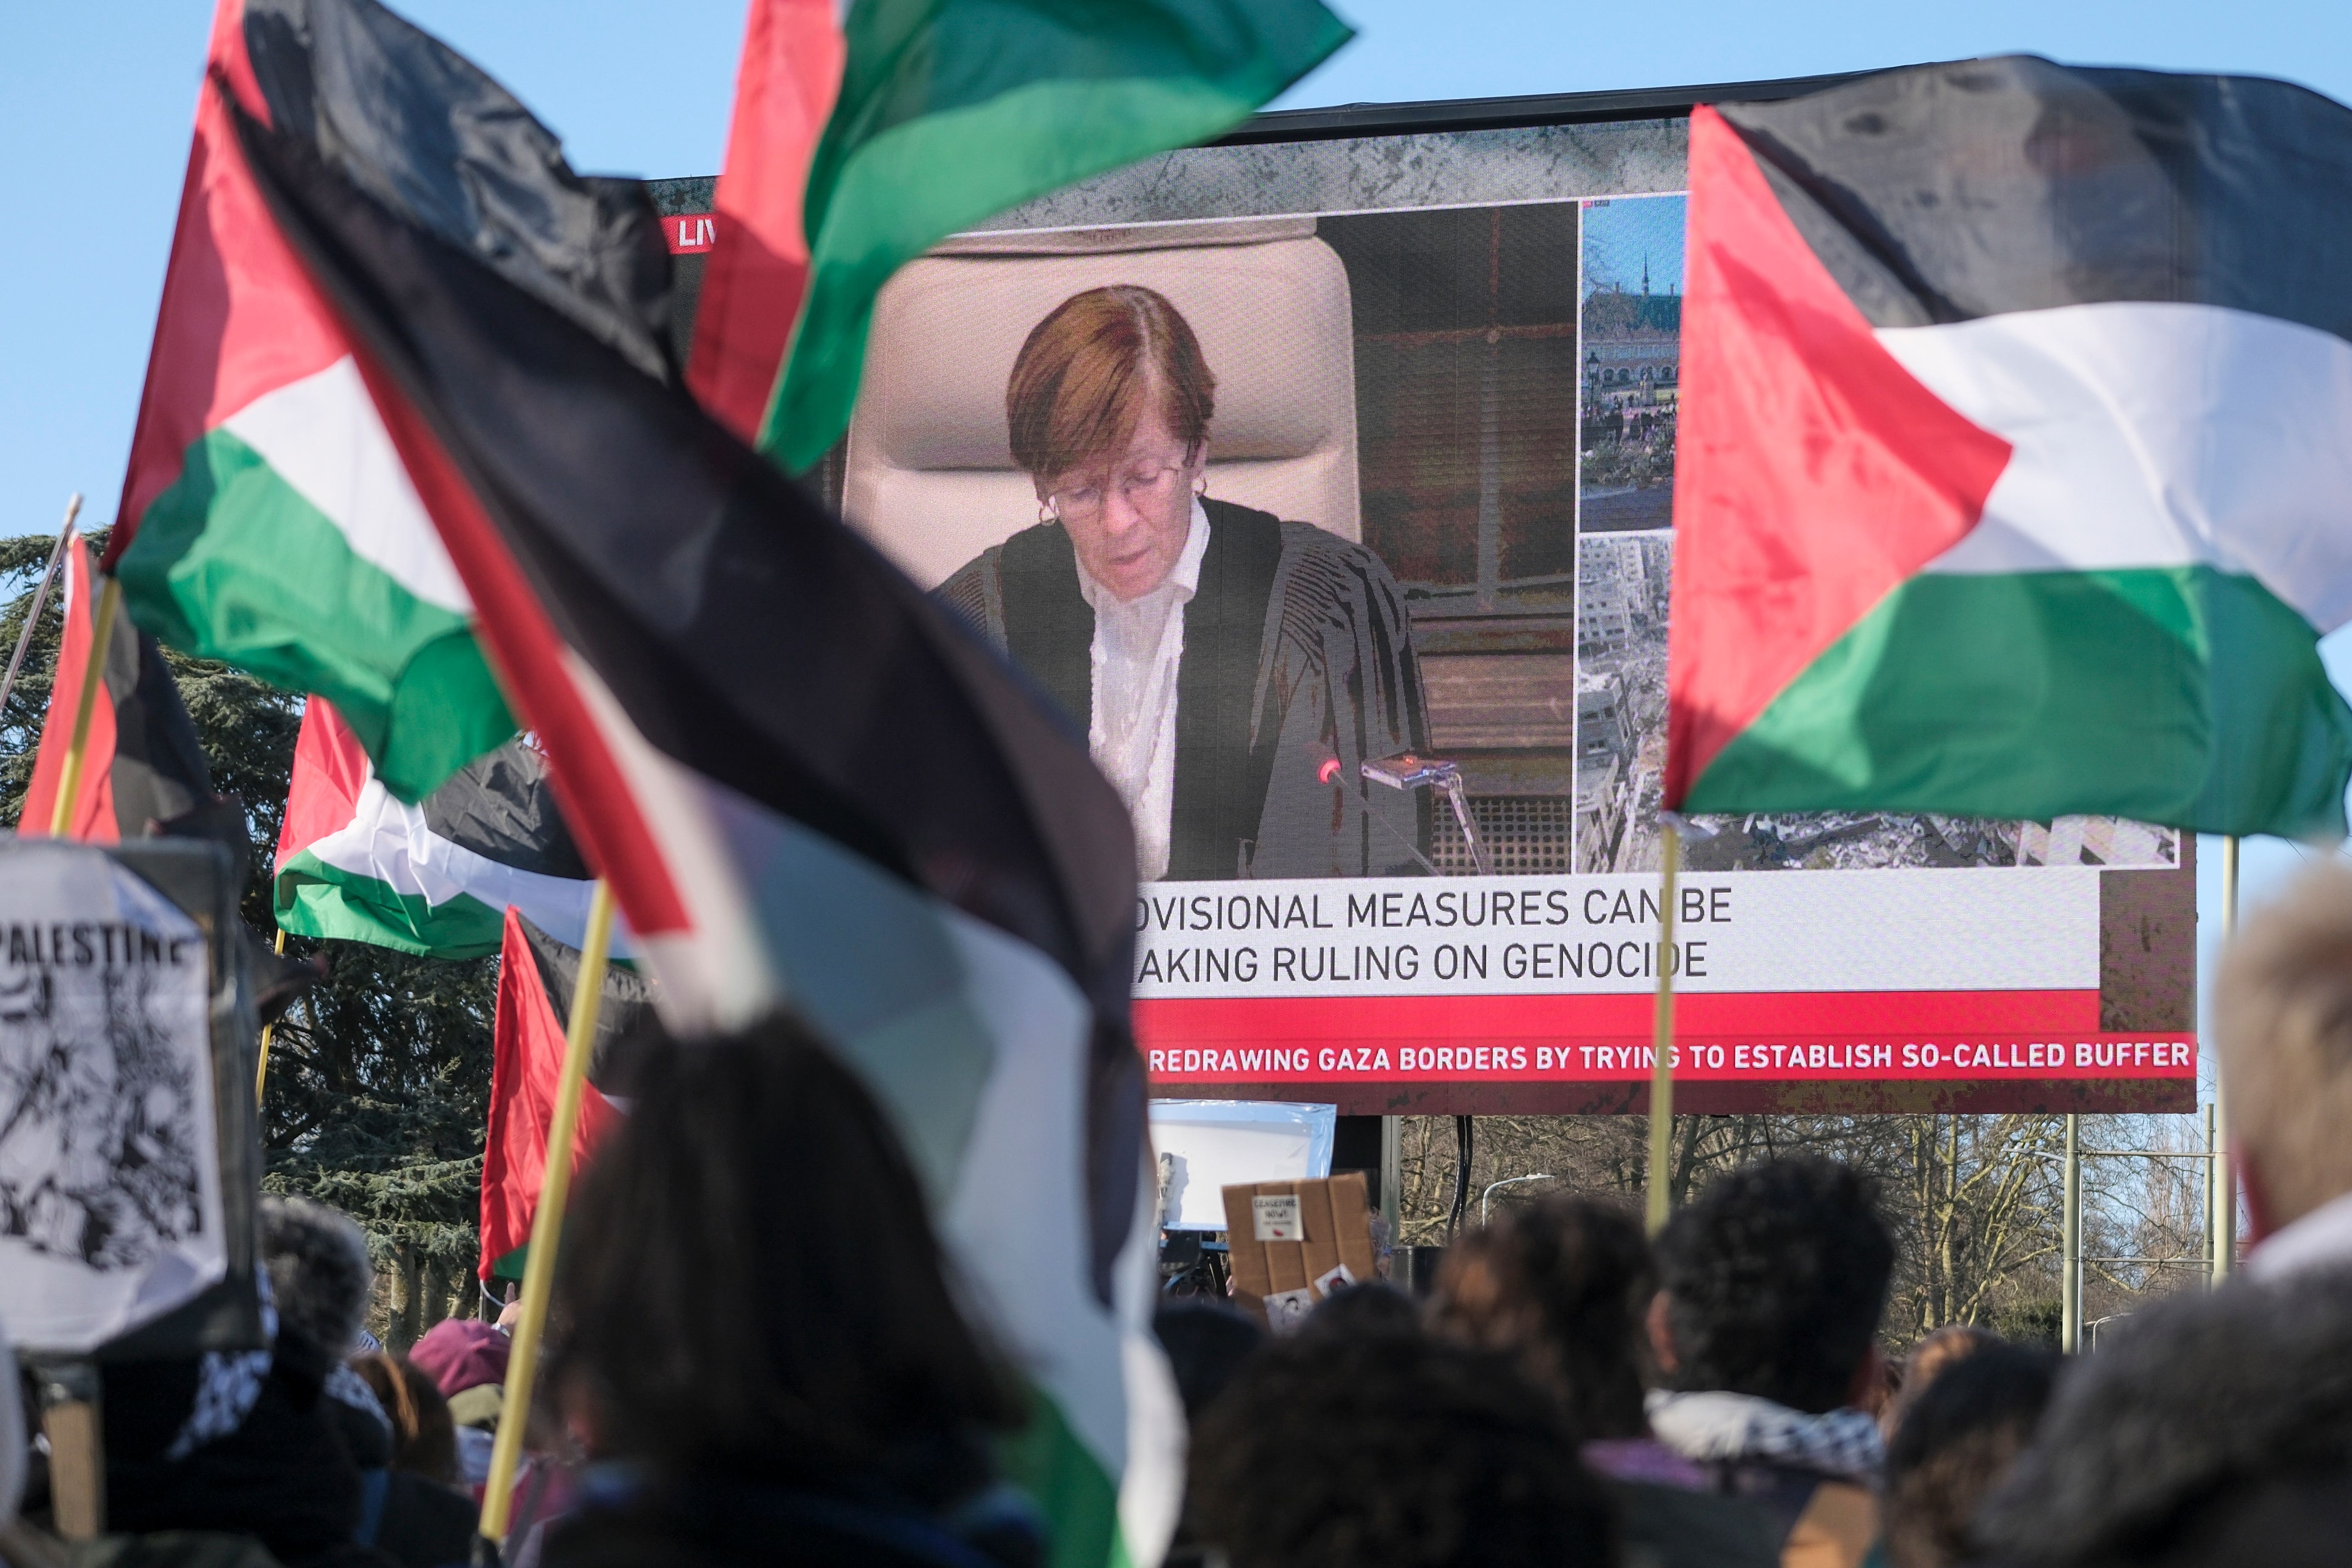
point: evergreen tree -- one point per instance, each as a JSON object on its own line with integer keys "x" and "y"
{"x": 379, "y": 1081}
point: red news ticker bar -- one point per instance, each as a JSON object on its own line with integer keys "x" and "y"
{"x": 692, "y": 233}
{"x": 1844, "y": 1036}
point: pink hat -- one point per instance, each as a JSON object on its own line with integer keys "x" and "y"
{"x": 459, "y": 1353}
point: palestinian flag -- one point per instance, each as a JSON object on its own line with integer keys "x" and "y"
{"x": 142, "y": 768}
{"x": 952, "y": 110}
{"x": 801, "y": 778}
{"x": 2014, "y": 478}
{"x": 757, "y": 270}
{"x": 537, "y": 975}
{"x": 265, "y": 519}
{"x": 436, "y": 877}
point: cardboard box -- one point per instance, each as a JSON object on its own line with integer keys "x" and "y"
{"x": 1292, "y": 1243}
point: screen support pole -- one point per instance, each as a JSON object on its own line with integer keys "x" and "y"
{"x": 2070, "y": 1277}
{"x": 2212, "y": 1251}
{"x": 2222, "y": 1204}
{"x": 1662, "y": 1030}
{"x": 1391, "y": 1173}
{"x": 547, "y": 1223}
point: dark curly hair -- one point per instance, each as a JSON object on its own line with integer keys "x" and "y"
{"x": 1775, "y": 1278}
{"x": 749, "y": 1285}
{"x": 1959, "y": 1439}
{"x": 1395, "y": 1450}
{"x": 1563, "y": 1285}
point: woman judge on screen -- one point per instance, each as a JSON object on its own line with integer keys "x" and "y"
{"x": 1232, "y": 669}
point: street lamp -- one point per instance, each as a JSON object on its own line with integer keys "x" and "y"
{"x": 1507, "y": 1182}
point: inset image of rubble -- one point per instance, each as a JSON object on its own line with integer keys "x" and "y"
{"x": 1621, "y": 583}
{"x": 1622, "y": 586}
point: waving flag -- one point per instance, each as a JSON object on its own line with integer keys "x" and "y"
{"x": 759, "y": 266}
{"x": 2013, "y": 479}
{"x": 952, "y": 110}
{"x": 801, "y": 778}
{"x": 537, "y": 975}
{"x": 436, "y": 877}
{"x": 140, "y": 762}
{"x": 265, "y": 519}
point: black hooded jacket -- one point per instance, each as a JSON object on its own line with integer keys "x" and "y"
{"x": 2217, "y": 1430}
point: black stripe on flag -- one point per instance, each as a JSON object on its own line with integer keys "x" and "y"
{"x": 1944, "y": 193}
{"x": 502, "y": 807}
{"x": 628, "y": 1030}
{"x": 159, "y": 773}
{"x": 420, "y": 128}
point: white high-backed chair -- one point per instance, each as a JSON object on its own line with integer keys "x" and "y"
{"x": 930, "y": 475}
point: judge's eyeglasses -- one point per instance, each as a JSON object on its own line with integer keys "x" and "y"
{"x": 1142, "y": 487}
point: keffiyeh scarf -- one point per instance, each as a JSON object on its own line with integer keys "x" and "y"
{"x": 1716, "y": 1427}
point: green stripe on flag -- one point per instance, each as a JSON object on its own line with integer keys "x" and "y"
{"x": 232, "y": 564}
{"x": 1061, "y": 1475}
{"x": 2178, "y": 695}
{"x": 316, "y": 899}
{"x": 953, "y": 111}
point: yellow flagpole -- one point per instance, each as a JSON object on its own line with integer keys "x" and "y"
{"x": 547, "y": 1223}
{"x": 1662, "y": 1033}
{"x": 261, "y": 1068}
{"x": 92, "y": 677}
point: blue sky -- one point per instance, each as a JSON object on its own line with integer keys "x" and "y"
{"x": 95, "y": 120}
{"x": 1630, "y": 239}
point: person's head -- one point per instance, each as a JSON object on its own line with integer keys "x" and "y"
{"x": 1770, "y": 1284}
{"x": 423, "y": 1437}
{"x": 2283, "y": 1019}
{"x": 1394, "y": 1450}
{"x": 1109, "y": 406}
{"x": 1936, "y": 1352}
{"x": 319, "y": 1272}
{"x": 1563, "y": 1285}
{"x": 1207, "y": 1343}
{"x": 751, "y": 1285}
{"x": 2211, "y": 1428}
{"x": 463, "y": 1353}
{"x": 1957, "y": 1439}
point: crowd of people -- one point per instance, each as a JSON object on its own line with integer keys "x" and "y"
{"x": 757, "y": 1355}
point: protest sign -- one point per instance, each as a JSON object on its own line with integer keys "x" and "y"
{"x": 1294, "y": 1242}
{"x": 127, "y": 1166}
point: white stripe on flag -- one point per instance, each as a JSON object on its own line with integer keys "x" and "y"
{"x": 323, "y": 436}
{"x": 2154, "y": 436}
{"x": 1018, "y": 1227}
{"x": 390, "y": 842}
{"x": 714, "y": 976}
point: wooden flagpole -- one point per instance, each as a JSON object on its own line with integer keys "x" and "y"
{"x": 93, "y": 676}
{"x": 547, "y": 1223}
{"x": 1662, "y": 1029}
{"x": 40, "y": 599}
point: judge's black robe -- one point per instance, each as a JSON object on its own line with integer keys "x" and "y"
{"x": 1298, "y": 668}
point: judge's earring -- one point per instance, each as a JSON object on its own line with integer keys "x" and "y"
{"x": 1045, "y": 513}
{"x": 1200, "y": 487}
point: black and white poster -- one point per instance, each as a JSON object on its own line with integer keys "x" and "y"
{"x": 111, "y": 1206}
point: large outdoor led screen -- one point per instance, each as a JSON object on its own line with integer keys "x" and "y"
{"x": 1396, "y": 776}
